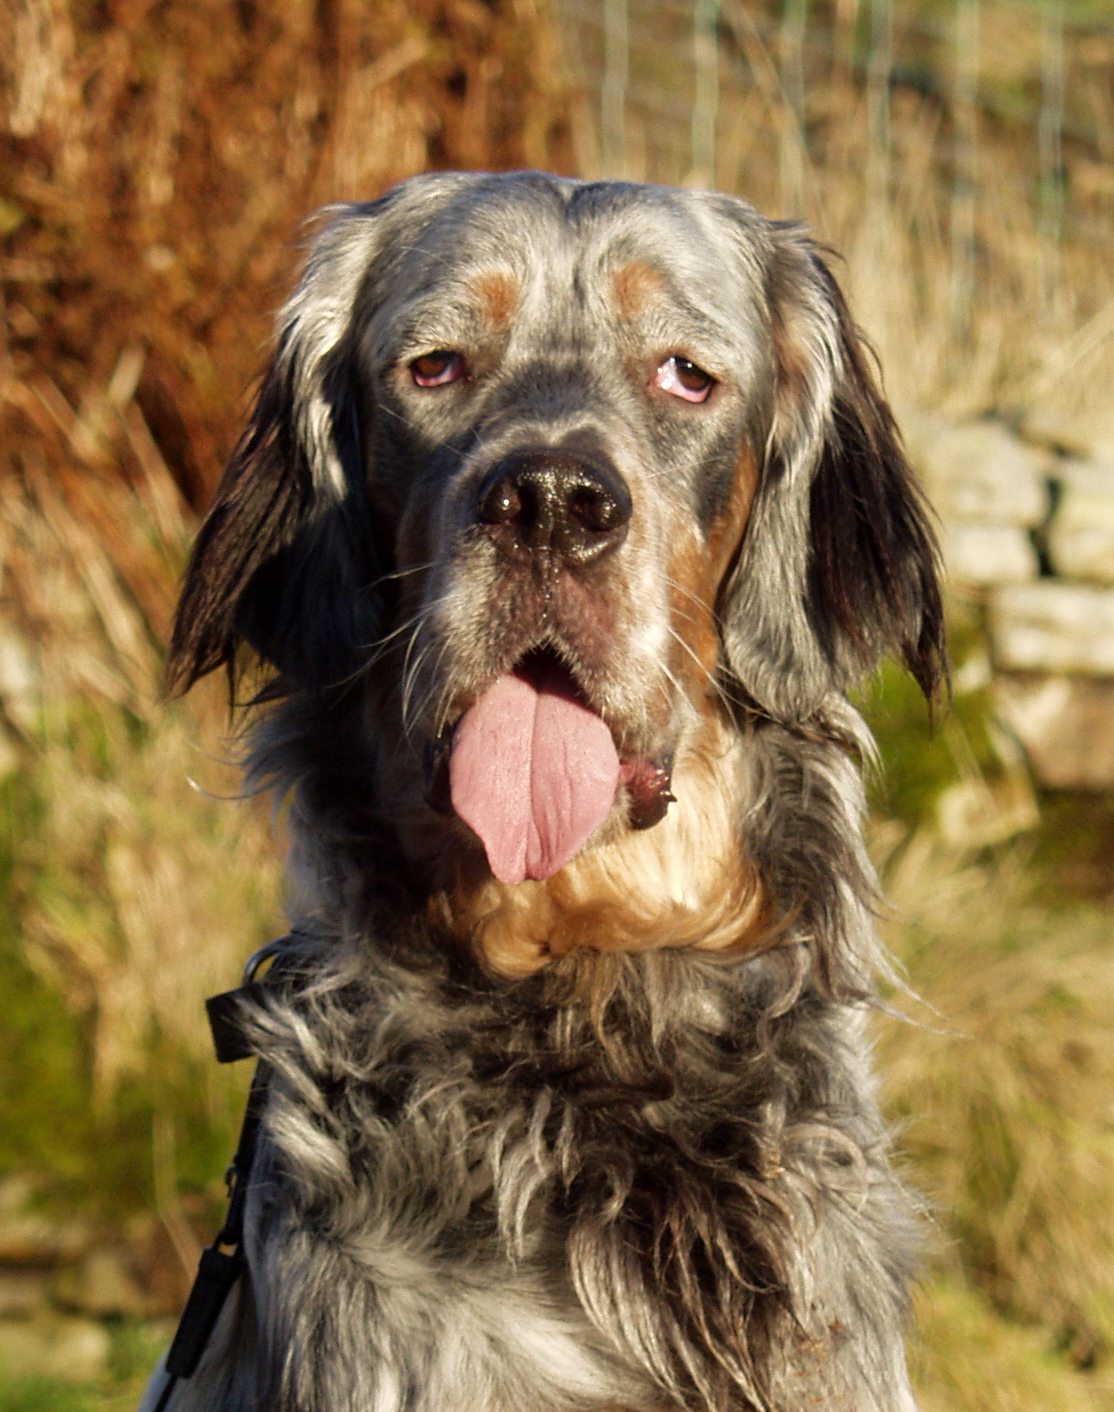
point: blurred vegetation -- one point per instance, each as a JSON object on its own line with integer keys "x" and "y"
{"x": 134, "y": 1349}
{"x": 151, "y": 184}
{"x": 72, "y": 1102}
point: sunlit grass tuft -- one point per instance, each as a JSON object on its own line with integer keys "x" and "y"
{"x": 967, "y": 1358}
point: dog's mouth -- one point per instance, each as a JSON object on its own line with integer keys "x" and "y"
{"x": 533, "y": 770}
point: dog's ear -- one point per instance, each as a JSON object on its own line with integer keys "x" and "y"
{"x": 839, "y": 563}
{"x": 285, "y": 561}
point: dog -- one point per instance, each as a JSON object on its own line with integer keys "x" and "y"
{"x": 568, "y": 515}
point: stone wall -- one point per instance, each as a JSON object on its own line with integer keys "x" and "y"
{"x": 63, "y": 1284}
{"x": 1027, "y": 527}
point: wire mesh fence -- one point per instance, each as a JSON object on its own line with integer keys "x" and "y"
{"x": 963, "y": 147}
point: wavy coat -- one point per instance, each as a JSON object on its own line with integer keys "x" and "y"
{"x": 606, "y": 1139}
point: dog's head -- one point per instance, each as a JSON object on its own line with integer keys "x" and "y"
{"x": 560, "y": 472}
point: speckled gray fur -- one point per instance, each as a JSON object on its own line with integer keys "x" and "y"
{"x": 475, "y": 1193}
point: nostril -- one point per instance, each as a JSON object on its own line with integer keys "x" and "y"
{"x": 501, "y": 503}
{"x": 597, "y": 510}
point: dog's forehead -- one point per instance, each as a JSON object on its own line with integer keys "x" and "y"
{"x": 547, "y": 250}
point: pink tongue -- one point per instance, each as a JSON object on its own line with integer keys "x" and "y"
{"x": 534, "y": 772}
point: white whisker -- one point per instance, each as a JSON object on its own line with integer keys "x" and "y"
{"x": 403, "y": 573}
{"x": 440, "y": 715}
{"x": 710, "y": 675}
{"x": 701, "y": 603}
{"x": 409, "y": 625}
{"x": 409, "y": 681}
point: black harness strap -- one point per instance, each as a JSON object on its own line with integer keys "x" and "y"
{"x": 222, "y": 1262}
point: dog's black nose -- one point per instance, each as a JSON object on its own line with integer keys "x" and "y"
{"x": 576, "y": 505}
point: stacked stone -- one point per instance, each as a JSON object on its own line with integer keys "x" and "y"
{"x": 1030, "y": 527}
{"x": 65, "y": 1284}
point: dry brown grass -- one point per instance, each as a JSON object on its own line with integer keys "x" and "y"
{"x": 967, "y": 1358}
{"x": 125, "y": 892}
{"x": 156, "y": 162}
{"x": 1005, "y": 1085}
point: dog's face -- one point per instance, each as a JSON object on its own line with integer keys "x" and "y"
{"x": 560, "y": 401}
{"x": 568, "y": 473}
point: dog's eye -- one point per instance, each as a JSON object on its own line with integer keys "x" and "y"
{"x": 437, "y": 369}
{"x": 683, "y": 379}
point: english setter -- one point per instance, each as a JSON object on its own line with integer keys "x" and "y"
{"x": 567, "y": 516}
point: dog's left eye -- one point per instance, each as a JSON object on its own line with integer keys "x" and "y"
{"x": 683, "y": 379}
{"x": 437, "y": 369}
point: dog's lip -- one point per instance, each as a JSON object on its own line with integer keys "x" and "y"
{"x": 545, "y": 661}
{"x": 649, "y": 789}
{"x": 531, "y": 664}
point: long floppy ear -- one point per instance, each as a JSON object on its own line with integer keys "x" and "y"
{"x": 839, "y": 565}
{"x": 285, "y": 560}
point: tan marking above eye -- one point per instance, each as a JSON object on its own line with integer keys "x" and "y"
{"x": 635, "y": 286}
{"x": 497, "y": 293}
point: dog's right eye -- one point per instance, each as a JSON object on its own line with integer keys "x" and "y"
{"x": 682, "y": 378}
{"x": 437, "y": 369}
